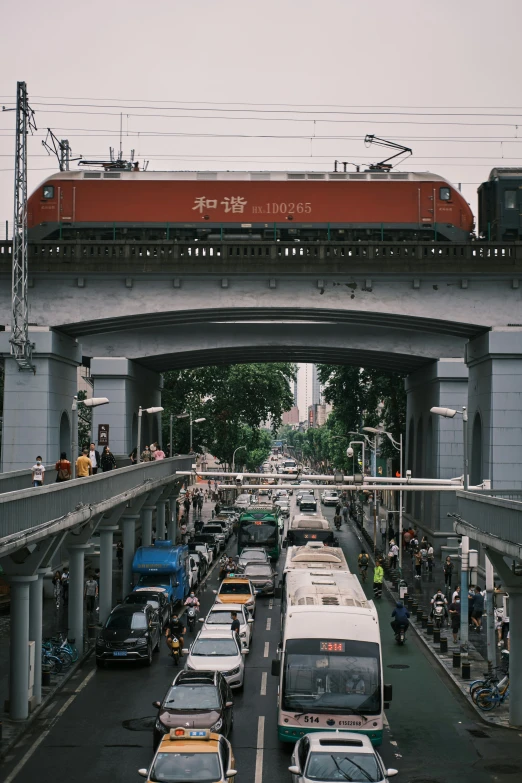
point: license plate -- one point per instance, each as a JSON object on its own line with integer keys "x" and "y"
{"x": 120, "y": 653}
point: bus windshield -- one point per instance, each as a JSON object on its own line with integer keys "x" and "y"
{"x": 257, "y": 532}
{"x": 331, "y": 676}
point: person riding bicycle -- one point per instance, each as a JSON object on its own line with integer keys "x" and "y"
{"x": 400, "y": 618}
{"x": 337, "y": 520}
{"x": 363, "y": 561}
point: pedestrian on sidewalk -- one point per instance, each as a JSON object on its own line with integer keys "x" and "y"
{"x": 383, "y": 527}
{"x": 94, "y": 456}
{"x": 454, "y": 613}
{"x": 406, "y": 538}
{"x": 455, "y": 594}
{"x": 107, "y": 460}
{"x": 146, "y": 455}
{"x": 418, "y": 563}
{"x": 186, "y": 505}
{"x": 424, "y": 543}
{"x": 65, "y": 586}
{"x": 38, "y": 473}
{"x": 217, "y": 508}
{"x": 63, "y": 468}
{"x": 133, "y": 456}
{"x": 200, "y": 504}
{"x": 448, "y": 572}
{"x": 424, "y": 555}
{"x": 478, "y": 609}
{"x": 431, "y": 560}
{"x": 83, "y": 465}
{"x": 471, "y": 601}
{"x": 378, "y": 576}
{"x": 90, "y": 593}
{"x": 195, "y": 504}
{"x": 345, "y": 512}
{"x": 119, "y": 554}
{"x": 393, "y": 554}
{"x": 159, "y": 453}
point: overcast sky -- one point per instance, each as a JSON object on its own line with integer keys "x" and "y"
{"x": 441, "y": 77}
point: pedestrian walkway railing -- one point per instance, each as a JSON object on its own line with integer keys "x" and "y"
{"x": 496, "y": 512}
{"x": 33, "y": 513}
{"x": 21, "y": 479}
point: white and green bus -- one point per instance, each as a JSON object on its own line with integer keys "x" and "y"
{"x": 330, "y": 664}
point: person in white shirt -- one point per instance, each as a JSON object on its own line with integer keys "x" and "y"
{"x": 94, "y": 456}
{"x": 38, "y": 473}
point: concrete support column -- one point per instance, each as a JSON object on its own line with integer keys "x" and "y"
{"x": 76, "y": 590}
{"x": 433, "y": 445}
{"x": 19, "y": 652}
{"x": 127, "y": 385}
{"x": 146, "y": 525}
{"x": 106, "y": 560}
{"x": 515, "y": 657}
{"x": 35, "y": 631}
{"x": 160, "y": 519}
{"x": 128, "y": 524}
{"x": 37, "y": 406}
{"x": 495, "y": 407}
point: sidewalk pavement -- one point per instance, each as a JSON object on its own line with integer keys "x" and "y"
{"x": 423, "y": 590}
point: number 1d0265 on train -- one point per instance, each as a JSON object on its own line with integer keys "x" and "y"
{"x": 287, "y": 206}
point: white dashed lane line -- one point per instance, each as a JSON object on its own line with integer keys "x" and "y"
{"x": 268, "y": 623}
{"x": 267, "y": 645}
{"x": 259, "y": 753}
{"x": 263, "y": 684}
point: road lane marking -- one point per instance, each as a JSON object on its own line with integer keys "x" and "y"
{"x": 268, "y": 623}
{"x": 259, "y": 752}
{"x": 23, "y": 761}
{"x": 267, "y": 645}
{"x": 263, "y": 684}
{"x": 271, "y": 603}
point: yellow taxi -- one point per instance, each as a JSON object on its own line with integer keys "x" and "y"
{"x": 197, "y": 755}
{"x": 237, "y": 590}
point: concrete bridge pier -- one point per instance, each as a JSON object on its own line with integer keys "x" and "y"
{"x": 495, "y": 407}
{"x": 434, "y": 445}
{"x": 127, "y": 385}
{"x": 106, "y": 558}
{"x": 146, "y": 525}
{"x": 37, "y": 406}
{"x": 128, "y": 525}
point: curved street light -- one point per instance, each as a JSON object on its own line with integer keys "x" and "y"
{"x": 90, "y": 402}
{"x": 141, "y": 411}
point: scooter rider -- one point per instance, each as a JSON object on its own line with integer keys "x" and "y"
{"x": 400, "y": 618}
{"x": 175, "y": 628}
{"x": 439, "y": 599}
{"x": 337, "y": 520}
{"x": 193, "y": 601}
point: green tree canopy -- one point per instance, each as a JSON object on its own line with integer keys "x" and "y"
{"x": 234, "y": 400}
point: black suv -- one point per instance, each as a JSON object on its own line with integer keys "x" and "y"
{"x": 196, "y": 700}
{"x": 131, "y": 633}
{"x": 143, "y": 595}
{"x": 210, "y": 539}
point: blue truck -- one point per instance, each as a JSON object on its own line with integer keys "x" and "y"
{"x": 163, "y": 565}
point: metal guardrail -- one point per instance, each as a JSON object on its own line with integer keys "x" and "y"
{"x": 25, "y": 509}
{"x": 167, "y": 252}
{"x": 15, "y": 480}
{"x": 497, "y": 512}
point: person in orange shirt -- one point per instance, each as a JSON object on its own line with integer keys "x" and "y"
{"x": 83, "y": 465}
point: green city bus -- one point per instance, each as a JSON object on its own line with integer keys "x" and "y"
{"x": 259, "y": 527}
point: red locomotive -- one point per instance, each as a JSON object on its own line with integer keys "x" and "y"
{"x": 143, "y": 205}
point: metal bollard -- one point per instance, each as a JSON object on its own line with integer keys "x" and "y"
{"x": 424, "y": 620}
{"x": 414, "y": 607}
{"x": 436, "y": 635}
{"x": 429, "y": 627}
{"x": 456, "y": 660}
{"x": 420, "y": 615}
{"x": 46, "y": 679}
{"x": 443, "y": 644}
{"x": 466, "y": 671}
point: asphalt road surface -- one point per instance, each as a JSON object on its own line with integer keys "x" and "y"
{"x": 99, "y": 728}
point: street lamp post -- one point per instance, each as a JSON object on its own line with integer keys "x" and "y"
{"x": 234, "y": 457}
{"x": 450, "y": 413}
{"x": 398, "y": 446}
{"x": 170, "y": 434}
{"x": 141, "y": 411}
{"x": 191, "y": 423}
{"x": 91, "y": 402}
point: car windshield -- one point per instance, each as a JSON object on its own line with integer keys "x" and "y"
{"x": 180, "y": 767}
{"x": 334, "y": 675}
{"x": 121, "y": 621}
{"x": 343, "y": 765}
{"x": 143, "y": 598}
{"x": 248, "y": 555}
{"x": 217, "y": 529}
{"x": 222, "y": 618}
{"x": 235, "y": 588}
{"x": 214, "y": 647}
{"x": 192, "y": 697}
{"x": 153, "y": 580}
{"x": 258, "y": 569}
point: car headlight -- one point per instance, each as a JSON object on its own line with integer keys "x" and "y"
{"x": 141, "y": 642}
{"x": 160, "y": 726}
{"x": 100, "y": 643}
{"x": 243, "y": 634}
{"x": 217, "y": 725}
{"x": 232, "y": 672}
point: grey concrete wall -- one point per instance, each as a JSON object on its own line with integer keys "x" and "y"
{"x": 127, "y": 385}
{"x": 495, "y": 396}
{"x": 37, "y": 406}
{"x": 434, "y": 445}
